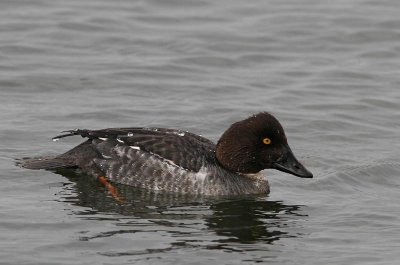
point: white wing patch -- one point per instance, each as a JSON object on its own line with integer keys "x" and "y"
{"x": 177, "y": 132}
{"x": 135, "y": 147}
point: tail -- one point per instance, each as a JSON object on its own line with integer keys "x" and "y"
{"x": 48, "y": 163}
{"x": 65, "y": 160}
{"x": 83, "y": 133}
{"x": 54, "y": 162}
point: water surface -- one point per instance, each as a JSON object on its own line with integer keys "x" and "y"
{"x": 329, "y": 70}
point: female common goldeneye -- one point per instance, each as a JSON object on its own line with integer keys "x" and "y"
{"x": 179, "y": 161}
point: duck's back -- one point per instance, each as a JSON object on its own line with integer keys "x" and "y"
{"x": 153, "y": 158}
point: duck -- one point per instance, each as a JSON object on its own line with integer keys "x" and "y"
{"x": 177, "y": 161}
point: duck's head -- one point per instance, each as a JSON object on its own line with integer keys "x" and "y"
{"x": 258, "y": 143}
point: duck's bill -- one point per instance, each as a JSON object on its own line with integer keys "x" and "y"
{"x": 289, "y": 164}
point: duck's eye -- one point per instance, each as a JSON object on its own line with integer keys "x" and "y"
{"x": 266, "y": 140}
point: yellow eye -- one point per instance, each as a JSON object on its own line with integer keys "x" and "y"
{"x": 266, "y": 140}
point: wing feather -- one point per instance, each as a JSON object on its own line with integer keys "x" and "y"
{"x": 186, "y": 150}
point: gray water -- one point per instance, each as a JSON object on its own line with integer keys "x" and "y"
{"x": 329, "y": 70}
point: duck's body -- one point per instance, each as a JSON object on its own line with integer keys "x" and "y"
{"x": 177, "y": 161}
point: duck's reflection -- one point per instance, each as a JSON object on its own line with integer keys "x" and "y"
{"x": 235, "y": 219}
{"x": 249, "y": 220}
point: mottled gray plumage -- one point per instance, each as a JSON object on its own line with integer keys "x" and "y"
{"x": 177, "y": 161}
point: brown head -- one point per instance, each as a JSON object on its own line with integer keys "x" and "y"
{"x": 258, "y": 143}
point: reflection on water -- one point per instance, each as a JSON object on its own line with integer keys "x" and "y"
{"x": 249, "y": 220}
{"x": 243, "y": 220}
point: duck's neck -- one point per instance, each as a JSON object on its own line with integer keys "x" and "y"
{"x": 236, "y": 156}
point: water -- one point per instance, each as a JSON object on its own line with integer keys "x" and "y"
{"x": 329, "y": 70}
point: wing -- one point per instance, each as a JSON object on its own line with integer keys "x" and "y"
{"x": 184, "y": 149}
